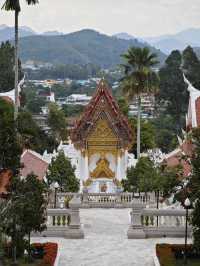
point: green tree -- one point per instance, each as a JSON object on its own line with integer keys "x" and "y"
{"x": 14, "y": 5}
{"x": 123, "y": 106}
{"x": 72, "y": 110}
{"x": 57, "y": 122}
{"x": 31, "y": 220}
{"x": 20, "y": 216}
{"x": 194, "y": 187}
{"x": 147, "y": 135}
{"x": 139, "y": 78}
{"x": 195, "y": 180}
{"x": 165, "y": 132}
{"x": 130, "y": 184}
{"x": 60, "y": 170}
{"x": 10, "y": 149}
{"x": 35, "y": 104}
{"x": 173, "y": 96}
{"x": 168, "y": 179}
{"x": 31, "y": 136}
{"x": 141, "y": 177}
{"x": 191, "y": 66}
{"x": 7, "y": 74}
{"x": 196, "y": 222}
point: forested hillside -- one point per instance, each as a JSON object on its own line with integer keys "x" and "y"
{"x": 86, "y": 46}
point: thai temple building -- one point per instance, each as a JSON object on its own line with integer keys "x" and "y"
{"x": 102, "y": 138}
{"x": 97, "y": 148}
{"x": 99, "y": 144}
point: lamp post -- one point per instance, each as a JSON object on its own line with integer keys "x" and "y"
{"x": 187, "y": 204}
{"x": 56, "y": 186}
{"x": 157, "y": 204}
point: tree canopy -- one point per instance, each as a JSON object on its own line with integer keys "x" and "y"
{"x": 25, "y": 210}
{"x": 31, "y": 136}
{"x": 10, "y": 150}
{"x": 60, "y": 170}
{"x": 7, "y": 74}
{"x": 57, "y": 122}
{"x": 173, "y": 94}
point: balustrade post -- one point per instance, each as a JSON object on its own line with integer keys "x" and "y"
{"x": 75, "y": 230}
{"x": 118, "y": 199}
{"x": 136, "y": 230}
{"x": 85, "y": 197}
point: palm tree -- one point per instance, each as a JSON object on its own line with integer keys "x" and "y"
{"x": 139, "y": 78}
{"x": 14, "y": 5}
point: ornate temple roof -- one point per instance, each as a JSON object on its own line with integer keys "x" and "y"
{"x": 102, "y": 106}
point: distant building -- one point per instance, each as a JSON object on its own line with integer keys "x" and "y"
{"x": 78, "y": 99}
{"x": 147, "y": 106}
{"x": 61, "y": 101}
{"x": 49, "y": 96}
{"x": 35, "y": 65}
{"x": 47, "y": 83}
{"x": 33, "y": 162}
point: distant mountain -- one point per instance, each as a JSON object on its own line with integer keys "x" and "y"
{"x": 7, "y": 33}
{"x": 82, "y": 47}
{"x": 52, "y": 33}
{"x": 169, "y": 44}
{"x": 124, "y": 36}
{"x": 180, "y": 41}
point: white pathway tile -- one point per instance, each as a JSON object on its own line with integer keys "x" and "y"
{"x": 106, "y": 243}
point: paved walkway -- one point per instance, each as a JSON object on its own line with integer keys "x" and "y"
{"x": 106, "y": 243}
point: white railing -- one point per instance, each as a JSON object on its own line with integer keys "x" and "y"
{"x": 166, "y": 217}
{"x": 58, "y": 217}
{"x": 101, "y": 200}
{"x": 157, "y": 222}
{"x": 64, "y": 222}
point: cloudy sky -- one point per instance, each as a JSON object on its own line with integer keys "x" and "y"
{"x": 137, "y": 17}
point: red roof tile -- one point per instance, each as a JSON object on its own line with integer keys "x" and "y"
{"x": 102, "y": 103}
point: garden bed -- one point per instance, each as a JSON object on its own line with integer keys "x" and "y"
{"x": 41, "y": 255}
{"x": 173, "y": 255}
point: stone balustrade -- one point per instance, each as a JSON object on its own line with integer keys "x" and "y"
{"x": 105, "y": 200}
{"x": 157, "y": 222}
{"x": 63, "y": 222}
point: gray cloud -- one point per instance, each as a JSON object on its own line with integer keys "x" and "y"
{"x": 137, "y": 17}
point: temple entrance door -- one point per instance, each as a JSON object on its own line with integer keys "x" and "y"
{"x": 103, "y": 185}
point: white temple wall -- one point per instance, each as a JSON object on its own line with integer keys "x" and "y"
{"x": 123, "y": 166}
{"x": 82, "y": 168}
